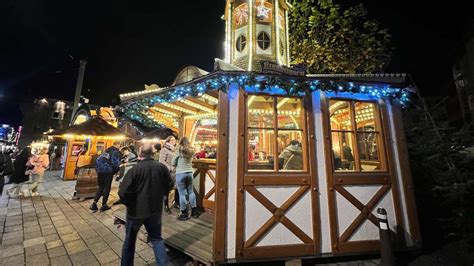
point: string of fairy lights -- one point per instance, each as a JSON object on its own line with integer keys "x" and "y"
{"x": 137, "y": 109}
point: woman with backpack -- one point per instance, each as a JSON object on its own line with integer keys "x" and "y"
{"x": 21, "y": 173}
{"x": 183, "y": 162}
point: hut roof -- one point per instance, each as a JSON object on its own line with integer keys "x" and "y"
{"x": 93, "y": 127}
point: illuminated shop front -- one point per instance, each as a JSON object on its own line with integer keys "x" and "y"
{"x": 301, "y": 161}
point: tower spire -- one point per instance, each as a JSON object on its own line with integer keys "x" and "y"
{"x": 256, "y": 30}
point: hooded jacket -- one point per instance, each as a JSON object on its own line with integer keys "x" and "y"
{"x": 292, "y": 157}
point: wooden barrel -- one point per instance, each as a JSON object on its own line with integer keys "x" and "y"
{"x": 86, "y": 184}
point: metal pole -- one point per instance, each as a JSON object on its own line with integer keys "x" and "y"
{"x": 77, "y": 96}
{"x": 386, "y": 250}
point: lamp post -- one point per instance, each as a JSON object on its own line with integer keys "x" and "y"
{"x": 77, "y": 96}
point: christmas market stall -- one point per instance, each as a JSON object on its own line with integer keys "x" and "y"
{"x": 301, "y": 162}
{"x": 85, "y": 142}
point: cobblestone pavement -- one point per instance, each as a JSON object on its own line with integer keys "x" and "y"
{"x": 53, "y": 229}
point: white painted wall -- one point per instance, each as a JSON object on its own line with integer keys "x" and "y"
{"x": 208, "y": 185}
{"x": 322, "y": 174}
{"x": 256, "y": 215}
{"x": 232, "y": 171}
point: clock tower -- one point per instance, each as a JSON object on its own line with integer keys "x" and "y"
{"x": 256, "y": 30}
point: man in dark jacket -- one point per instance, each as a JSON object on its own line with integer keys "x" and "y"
{"x": 6, "y": 167}
{"x": 142, "y": 191}
{"x": 107, "y": 165}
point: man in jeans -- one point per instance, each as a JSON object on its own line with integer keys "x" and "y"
{"x": 142, "y": 191}
{"x": 107, "y": 165}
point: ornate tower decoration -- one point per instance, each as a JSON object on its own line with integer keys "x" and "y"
{"x": 256, "y": 30}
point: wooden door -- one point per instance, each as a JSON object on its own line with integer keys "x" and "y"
{"x": 355, "y": 195}
{"x": 277, "y": 212}
{"x": 73, "y": 148}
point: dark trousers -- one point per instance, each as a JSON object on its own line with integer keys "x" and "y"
{"x": 2, "y": 183}
{"x": 153, "y": 227}
{"x": 105, "y": 182}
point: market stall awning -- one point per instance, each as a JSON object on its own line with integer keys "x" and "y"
{"x": 95, "y": 127}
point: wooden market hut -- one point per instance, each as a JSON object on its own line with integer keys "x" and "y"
{"x": 303, "y": 161}
{"x": 92, "y": 136}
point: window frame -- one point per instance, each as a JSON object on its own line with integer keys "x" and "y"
{"x": 379, "y": 130}
{"x": 241, "y": 43}
{"x": 304, "y": 143}
{"x": 263, "y": 41}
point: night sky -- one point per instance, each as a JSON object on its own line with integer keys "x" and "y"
{"x": 131, "y": 43}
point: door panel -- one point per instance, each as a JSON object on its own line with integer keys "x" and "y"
{"x": 278, "y": 212}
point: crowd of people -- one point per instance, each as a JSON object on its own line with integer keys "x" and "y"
{"x": 26, "y": 166}
{"x": 156, "y": 178}
{"x": 147, "y": 187}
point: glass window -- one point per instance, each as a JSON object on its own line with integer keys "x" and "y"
{"x": 241, "y": 42}
{"x": 280, "y": 151}
{"x": 263, "y": 40}
{"x": 355, "y": 136}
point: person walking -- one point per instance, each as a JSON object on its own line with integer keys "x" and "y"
{"x": 40, "y": 163}
{"x": 166, "y": 158}
{"x": 142, "y": 191}
{"x": 128, "y": 161}
{"x": 22, "y": 172}
{"x": 183, "y": 161}
{"x": 6, "y": 167}
{"x": 107, "y": 165}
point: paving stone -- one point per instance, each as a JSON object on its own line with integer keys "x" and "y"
{"x": 11, "y": 251}
{"x": 31, "y": 218}
{"x": 61, "y": 223}
{"x": 52, "y": 237}
{"x": 61, "y": 261}
{"x": 110, "y": 238}
{"x": 47, "y": 232}
{"x": 139, "y": 262}
{"x": 32, "y": 229}
{"x": 34, "y": 250}
{"x": 75, "y": 247}
{"x": 116, "y": 246}
{"x": 65, "y": 230}
{"x": 70, "y": 237}
{"x": 34, "y": 242}
{"x": 99, "y": 247}
{"x": 93, "y": 240}
{"x": 88, "y": 234}
{"x": 54, "y": 244}
{"x": 13, "y": 241}
{"x": 32, "y": 235}
{"x": 107, "y": 256}
{"x": 13, "y": 260}
{"x": 39, "y": 259}
{"x": 14, "y": 228}
{"x": 148, "y": 255}
{"x": 83, "y": 258}
{"x": 113, "y": 263}
{"x": 28, "y": 224}
{"x": 56, "y": 252}
{"x": 13, "y": 235}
